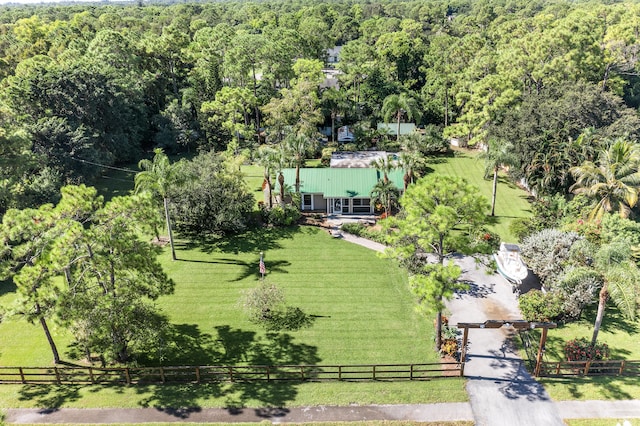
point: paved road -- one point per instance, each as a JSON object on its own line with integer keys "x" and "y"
{"x": 421, "y": 413}
{"x": 616, "y": 410}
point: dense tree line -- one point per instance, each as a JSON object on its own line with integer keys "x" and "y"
{"x": 101, "y": 84}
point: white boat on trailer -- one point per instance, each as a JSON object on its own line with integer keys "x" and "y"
{"x": 509, "y": 263}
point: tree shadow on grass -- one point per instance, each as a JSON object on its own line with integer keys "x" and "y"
{"x": 605, "y": 387}
{"x": 251, "y": 241}
{"x": 49, "y": 397}
{"x": 613, "y": 319}
{"x": 272, "y": 349}
{"x": 233, "y": 347}
{"x": 183, "y": 344}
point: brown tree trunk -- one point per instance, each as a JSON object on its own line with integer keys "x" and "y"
{"x": 446, "y": 105}
{"x": 494, "y": 190}
{"x": 281, "y": 182}
{"x": 438, "y": 331}
{"x": 604, "y": 296}
{"x": 47, "y": 333}
{"x": 169, "y": 230}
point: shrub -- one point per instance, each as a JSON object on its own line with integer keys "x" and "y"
{"x": 589, "y": 230}
{"x": 538, "y": 306}
{"x": 364, "y": 232}
{"x": 449, "y": 347}
{"x": 578, "y": 289}
{"x": 281, "y": 216}
{"x": 581, "y": 350}
{"x": 354, "y": 228}
{"x": 325, "y": 160}
{"x": 483, "y": 241}
{"x": 265, "y": 305}
{"x": 449, "y": 335}
{"x": 521, "y": 228}
{"x": 546, "y": 253}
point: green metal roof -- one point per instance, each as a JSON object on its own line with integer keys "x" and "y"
{"x": 340, "y": 182}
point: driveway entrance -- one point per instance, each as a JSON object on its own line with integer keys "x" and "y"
{"x": 501, "y": 390}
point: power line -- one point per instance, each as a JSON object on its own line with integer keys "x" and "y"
{"x": 104, "y": 165}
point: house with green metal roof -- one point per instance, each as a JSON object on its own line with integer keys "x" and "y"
{"x": 339, "y": 190}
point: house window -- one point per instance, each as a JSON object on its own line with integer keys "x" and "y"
{"x": 307, "y": 202}
{"x": 361, "y": 205}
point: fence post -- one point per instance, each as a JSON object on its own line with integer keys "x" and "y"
{"x": 231, "y": 373}
{"x": 374, "y": 372}
{"x": 57, "y": 375}
{"x": 586, "y": 367}
{"x": 127, "y": 375}
{"x": 463, "y": 353}
{"x": 543, "y": 340}
{"x": 93, "y": 381}
{"x": 268, "y": 376}
{"x": 22, "y": 375}
{"x": 621, "y": 367}
{"x": 162, "y": 378}
{"x": 339, "y": 372}
{"x": 197, "y": 374}
{"x": 411, "y": 372}
{"x": 302, "y": 371}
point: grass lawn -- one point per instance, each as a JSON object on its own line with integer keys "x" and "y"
{"x": 622, "y": 338}
{"x": 511, "y": 201}
{"x": 254, "y": 176}
{"x": 619, "y": 334}
{"x": 363, "y": 314}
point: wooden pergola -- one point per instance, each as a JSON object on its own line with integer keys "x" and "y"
{"x": 517, "y": 325}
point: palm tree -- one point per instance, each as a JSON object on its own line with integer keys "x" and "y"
{"x": 396, "y": 106}
{"x": 386, "y": 194}
{"x": 498, "y": 154}
{"x": 268, "y": 159}
{"x": 411, "y": 156}
{"x": 409, "y": 161}
{"x": 158, "y": 176}
{"x": 385, "y": 165}
{"x": 334, "y": 102}
{"x": 297, "y": 148}
{"x": 620, "y": 277}
{"x": 614, "y": 182}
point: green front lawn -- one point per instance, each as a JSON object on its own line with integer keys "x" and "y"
{"x": 363, "y": 313}
{"x": 511, "y": 201}
{"x": 619, "y": 334}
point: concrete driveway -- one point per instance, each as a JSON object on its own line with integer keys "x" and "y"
{"x": 500, "y": 389}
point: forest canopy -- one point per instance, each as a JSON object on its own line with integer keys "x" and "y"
{"x": 89, "y": 85}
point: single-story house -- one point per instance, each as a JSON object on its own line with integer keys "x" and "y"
{"x": 339, "y": 190}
